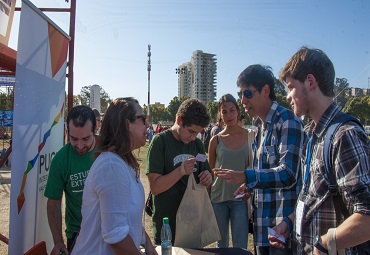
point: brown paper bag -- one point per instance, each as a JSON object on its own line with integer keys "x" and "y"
{"x": 196, "y": 224}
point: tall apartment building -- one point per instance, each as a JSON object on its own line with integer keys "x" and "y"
{"x": 197, "y": 78}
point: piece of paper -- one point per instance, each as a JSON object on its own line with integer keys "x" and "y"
{"x": 240, "y": 195}
{"x": 273, "y": 233}
{"x": 201, "y": 157}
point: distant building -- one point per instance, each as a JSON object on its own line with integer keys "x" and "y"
{"x": 95, "y": 97}
{"x": 197, "y": 78}
{"x": 158, "y": 104}
{"x": 357, "y": 92}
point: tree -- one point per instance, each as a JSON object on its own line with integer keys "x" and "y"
{"x": 279, "y": 87}
{"x": 104, "y": 97}
{"x": 359, "y": 107}
{"x": 212, "y": 109}
{"x": 158, "y": 113}
{"x": 173, "y": 106}
{"x": 340, "y": 87}
{"x": 282, "y": 101}
{"x": 6, "y": 101}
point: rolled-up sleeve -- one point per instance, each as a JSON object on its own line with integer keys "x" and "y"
{"x": 113, "y": 188}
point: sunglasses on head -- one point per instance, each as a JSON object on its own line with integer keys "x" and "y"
{"x": 246, "y": 93}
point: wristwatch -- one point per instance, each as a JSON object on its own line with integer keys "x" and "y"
{"x": 318, "y": 245}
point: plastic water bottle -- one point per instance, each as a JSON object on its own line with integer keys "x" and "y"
{"x": 166, "y": 238}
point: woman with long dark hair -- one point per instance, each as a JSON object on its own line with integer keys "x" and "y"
{"x": 230, "y": 149}
{"x": 113, "y": 199}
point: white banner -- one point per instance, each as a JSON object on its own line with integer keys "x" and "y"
{"x": 38, "y": 126}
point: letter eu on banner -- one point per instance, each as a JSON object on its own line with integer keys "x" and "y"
{"x": 38, "y": 125}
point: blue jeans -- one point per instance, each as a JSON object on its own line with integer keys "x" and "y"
{"x": 235, "y": 212}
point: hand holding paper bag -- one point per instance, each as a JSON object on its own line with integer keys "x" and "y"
{"x": 196, "y": 224}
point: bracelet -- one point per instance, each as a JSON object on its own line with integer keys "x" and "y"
{"x": 182, "y": 168}
{"x": 289, "y": 223}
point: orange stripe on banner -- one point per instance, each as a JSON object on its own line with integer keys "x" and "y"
{"x": 58, "y": 48}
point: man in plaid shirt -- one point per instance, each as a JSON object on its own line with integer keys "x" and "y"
{"x": 309, "y": 76}
{"x": 277, "y": 149}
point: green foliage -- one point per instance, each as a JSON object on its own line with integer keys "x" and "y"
{"x": 158, "y": 113}
{"x": 212, "y": 109}
{"x": 279, "y": 87}
{"x": 173, "y": 106}
{"x": 282, "y": 101}
{"x": 340, "y": 87}
{"x": 6, "y": 101}
{"x": 359, "y": 107}
{"x": 104, "y": 97}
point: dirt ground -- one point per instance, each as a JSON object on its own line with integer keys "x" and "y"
{"x": 5, "y": 175}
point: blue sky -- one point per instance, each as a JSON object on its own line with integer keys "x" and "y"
{"x": 112, "y": 38}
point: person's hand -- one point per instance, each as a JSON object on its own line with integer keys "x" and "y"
{"x": 59, "y": 248}
{"x": 205, "y": 178}
{"x": 323, "y": 243}
{"x": 149, "y": 249}
{"x": 188, "y": 166}
{"x": 231, "y": 176}
{"x": 280, "y": 229}
{"x": 243, "y": 190}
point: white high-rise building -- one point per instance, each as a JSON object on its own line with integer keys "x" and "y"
{"x": 197, "y": 78}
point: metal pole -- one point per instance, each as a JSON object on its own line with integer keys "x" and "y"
{"x": 149, "y": 69}
{"x": 71, "y": 53}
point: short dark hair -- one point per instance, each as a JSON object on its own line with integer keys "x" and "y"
{"x": 96, "y": 112}
{"x": 79, "y": 115}
{"x": 193, "y": 112}
{"x": 311, "y": 61}
{"x": 115, "y": 133}
{"x": 257, "y": 76}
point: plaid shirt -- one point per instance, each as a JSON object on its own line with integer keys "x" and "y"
{"x": 351, "y": 150}
{"x": 276, "y": 177}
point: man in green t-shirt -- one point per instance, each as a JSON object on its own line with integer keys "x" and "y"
{"x": 171, "y": 159}
{"x": 68, "y": 171}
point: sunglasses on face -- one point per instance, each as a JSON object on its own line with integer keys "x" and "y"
{"x": 246, "y": 93}
{"x": 142, "y": 117}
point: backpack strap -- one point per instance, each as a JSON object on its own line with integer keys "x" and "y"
{"x": 332, "y": 129}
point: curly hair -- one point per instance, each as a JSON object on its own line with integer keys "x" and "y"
{"x": 115, "y": 134}
{"x": 193, "y": 112}
{"x": 311, "y": 61}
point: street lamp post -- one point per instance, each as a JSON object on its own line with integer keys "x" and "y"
{"x": 149, "y": 69}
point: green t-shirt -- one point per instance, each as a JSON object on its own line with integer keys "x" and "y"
{"x": 68, "y": 171}
{"x": 165, "y": 154}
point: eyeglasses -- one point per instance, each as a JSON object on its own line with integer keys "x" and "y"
{"x": 142, "y": 117}
{"x": 246, "y": 93}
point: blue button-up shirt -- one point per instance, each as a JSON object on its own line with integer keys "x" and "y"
{"x": 276, "y": 177}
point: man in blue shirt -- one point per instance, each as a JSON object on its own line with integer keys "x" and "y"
{"x": 277, "y": 148}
